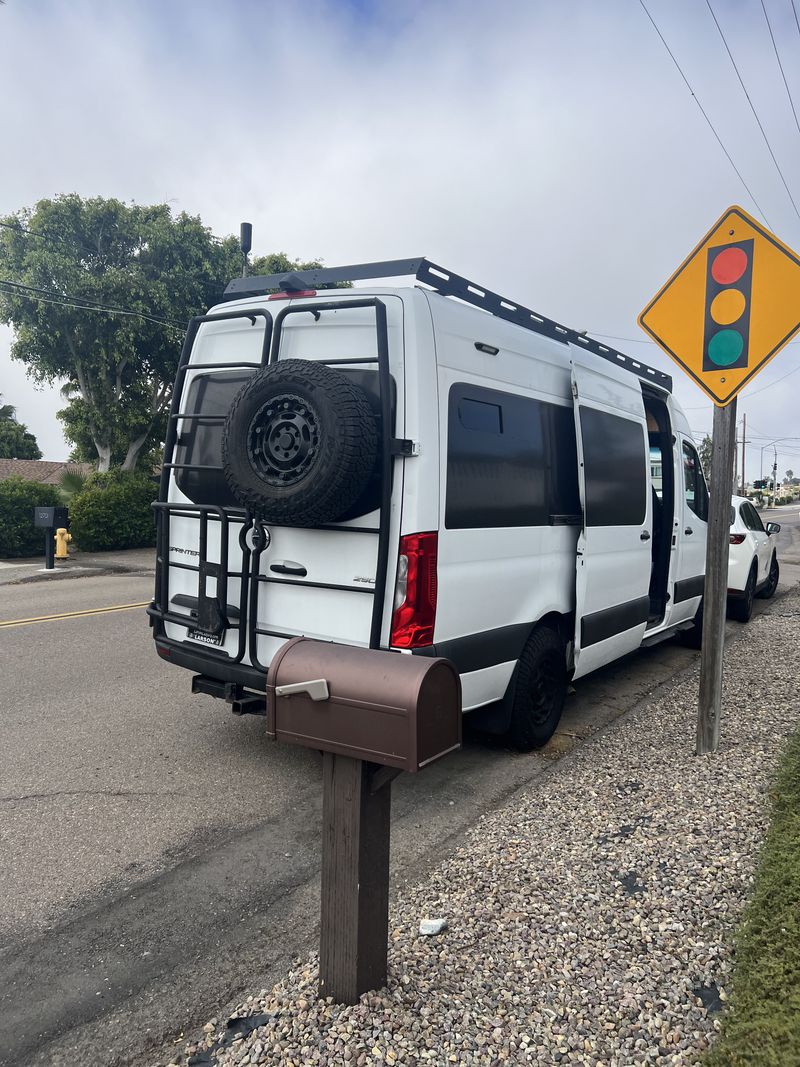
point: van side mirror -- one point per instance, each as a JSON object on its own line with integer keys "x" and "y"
{"x": 773, "y": 528}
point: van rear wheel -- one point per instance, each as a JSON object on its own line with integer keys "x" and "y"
{"x": 540, "y": 691}
{"x": 299, "y": 444}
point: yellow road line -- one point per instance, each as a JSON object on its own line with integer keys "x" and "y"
{"x": 72, "y": 614}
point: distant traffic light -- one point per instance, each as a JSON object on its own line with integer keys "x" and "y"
{"x": 760, "y": 484}
{"x": 729, "y": 279}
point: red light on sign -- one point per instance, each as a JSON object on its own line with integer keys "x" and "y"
{"x": 729, "y": 266}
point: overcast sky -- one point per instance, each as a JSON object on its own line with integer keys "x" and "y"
{"x": 548, "y": 150}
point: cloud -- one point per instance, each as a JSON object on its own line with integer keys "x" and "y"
{"x": 549, "y": 151}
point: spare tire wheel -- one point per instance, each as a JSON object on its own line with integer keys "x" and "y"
{"x": 299, "y": 444}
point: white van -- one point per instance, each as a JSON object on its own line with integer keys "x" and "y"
{"x": 431, "y": 469}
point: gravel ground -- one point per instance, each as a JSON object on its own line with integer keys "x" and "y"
{"x": 589, "y": 920}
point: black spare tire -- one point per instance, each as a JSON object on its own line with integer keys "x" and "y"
{"x": 299, "y": 444}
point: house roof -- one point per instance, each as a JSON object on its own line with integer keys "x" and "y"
{"x": 39, "y": 470}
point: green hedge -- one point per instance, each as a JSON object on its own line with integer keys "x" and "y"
{"x": 113, "y": 511}
{"x": 18, "y": 497}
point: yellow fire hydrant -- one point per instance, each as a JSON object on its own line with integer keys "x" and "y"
{"x": 62, "y": 539}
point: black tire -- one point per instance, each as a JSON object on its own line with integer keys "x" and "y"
{"x": 693, "y": 636}
{"x": 540, "y": 690}
{"x": 772, "y": 580}
{"x": 299, "y": 444}
{"x": 742, "y": 607}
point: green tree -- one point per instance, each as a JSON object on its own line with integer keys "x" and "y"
{"x": 63, "y": 258}
{"x": 7, "y": 412}
{"x": 704, "y": 452}
{"x": 15, "y": 440}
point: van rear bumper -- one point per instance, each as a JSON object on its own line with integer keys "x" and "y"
{"x": 211, "y": 666}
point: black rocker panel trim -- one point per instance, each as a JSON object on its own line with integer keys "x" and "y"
{"x": 687, "y": 588}
{"x": 474, "y": 652}
{"x": 609, "y": 622}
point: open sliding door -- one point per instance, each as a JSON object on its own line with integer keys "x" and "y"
{"x": 614, "y": 546}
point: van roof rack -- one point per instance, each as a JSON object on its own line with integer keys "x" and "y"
{"x": 448, "y": 284}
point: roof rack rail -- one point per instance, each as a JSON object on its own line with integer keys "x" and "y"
{"x": 448, "y": 284}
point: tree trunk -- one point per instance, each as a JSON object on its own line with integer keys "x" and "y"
{"x": 132, "y": 455}
{"x": 104, "y": 456}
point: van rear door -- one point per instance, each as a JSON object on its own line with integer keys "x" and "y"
{"x": 614, "y": 546}
{"x": 233, "y": 588}
{"x": 330, "y": 583}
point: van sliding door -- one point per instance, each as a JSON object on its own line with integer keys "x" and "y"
{"x": 614, "y": 546}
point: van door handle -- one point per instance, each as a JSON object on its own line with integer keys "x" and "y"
{"x": 688, "y": 531}
{"x": 288, "y": 567}
{"x": 644, "y": 536}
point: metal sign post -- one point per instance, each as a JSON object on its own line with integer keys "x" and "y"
{"x": 727, "y": 310}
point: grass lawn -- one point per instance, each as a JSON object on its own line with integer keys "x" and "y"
{"x": 762, "y": 1024}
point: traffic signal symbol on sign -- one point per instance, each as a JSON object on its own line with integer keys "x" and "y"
{"x": 729, "y": 307}
{"x": 729, "y": 281}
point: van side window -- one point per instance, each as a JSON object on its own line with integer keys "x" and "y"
{"x": 694, "y": 483}
{"x": 496, "y": 467}
{"x": 615, "y": 471}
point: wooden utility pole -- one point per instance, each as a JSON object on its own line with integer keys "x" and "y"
{"x": 723, "y": 449}
{"x": 744, "y": 442}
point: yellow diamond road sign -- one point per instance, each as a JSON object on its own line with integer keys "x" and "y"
{"x": 730, "y": 306}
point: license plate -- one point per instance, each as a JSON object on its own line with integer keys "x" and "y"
{"x": 205, "y": 637}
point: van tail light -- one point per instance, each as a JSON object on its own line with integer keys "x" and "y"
{"x": 415, "y": 593}
{"x": 737, "y": 539}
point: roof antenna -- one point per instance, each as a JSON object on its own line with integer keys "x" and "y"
{"x": 246, "y": 243}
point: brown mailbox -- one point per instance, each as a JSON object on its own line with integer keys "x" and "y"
{"x": 385, "y": 707}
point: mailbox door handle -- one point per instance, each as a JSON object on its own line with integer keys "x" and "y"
{"x": 317, "y": 690}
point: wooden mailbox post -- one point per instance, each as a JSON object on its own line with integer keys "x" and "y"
{"x": 373, "y": 714}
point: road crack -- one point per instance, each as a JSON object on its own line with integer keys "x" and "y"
{"x": 91, "y": 793}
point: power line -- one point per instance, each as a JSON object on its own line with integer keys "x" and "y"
{"x": 770, "y": 384}
{"x": 752, "y": 108}
{"x": 705, "y": 115}
{"x": 48, "y": 235}
{"x": 47, "y": 296}
{"x": 777, "y": 56}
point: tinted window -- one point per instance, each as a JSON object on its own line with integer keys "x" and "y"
{"x": 201, "y": 442}
{"x": 511, "y": 460}
{"x": 615, "y": 469}
{"x": 694, "y": 483}
{"x": 751, "y": 518}
{"x": 565, "y": 497}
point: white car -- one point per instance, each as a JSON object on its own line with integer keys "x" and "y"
{"x": 752, "y": 560}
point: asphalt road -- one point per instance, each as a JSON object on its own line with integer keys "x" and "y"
{"x": 161, "y": 856}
